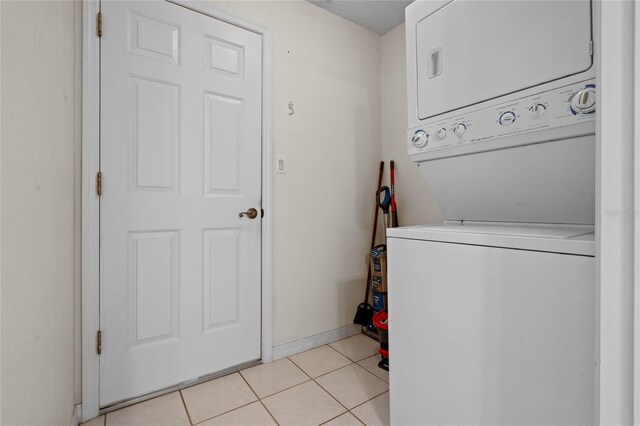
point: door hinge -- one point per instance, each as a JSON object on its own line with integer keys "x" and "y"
{"x": 99, "y": 24}
{"x": 99, "y": 342}
{"x": 99, "y": 183}
{"x": 591, "y": 47}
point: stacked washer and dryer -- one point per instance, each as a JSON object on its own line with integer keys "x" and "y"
{"x": 493, "y": 312}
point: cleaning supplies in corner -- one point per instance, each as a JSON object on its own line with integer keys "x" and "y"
{"x": 364, "y": 312}
{"x": 379, "y": 276}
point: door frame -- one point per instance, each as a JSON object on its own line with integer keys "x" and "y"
{"x": 617, "y": 215}
{"x": 91, "y": 202}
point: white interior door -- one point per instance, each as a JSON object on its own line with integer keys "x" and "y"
{"x": 180, "y": 159}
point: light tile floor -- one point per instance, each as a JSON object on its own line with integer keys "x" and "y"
{"x": 336, "y": 384}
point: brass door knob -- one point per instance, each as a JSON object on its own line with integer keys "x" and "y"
{"x": 251, "y": 213}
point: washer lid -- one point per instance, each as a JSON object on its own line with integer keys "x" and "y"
{"x": 550, "y": 238}
{"x": 472, "y": 51}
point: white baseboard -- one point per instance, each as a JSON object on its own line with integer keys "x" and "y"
{"x": 301, "y": 345}
{"x": 77, "y": 415}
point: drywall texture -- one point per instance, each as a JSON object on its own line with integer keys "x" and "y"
{"x": 39, "y": 147}
{"x": 416, "y": 205}
{"x": 329, "y": 69}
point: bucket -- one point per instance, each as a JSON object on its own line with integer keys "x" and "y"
{"x": 380, "y": 322}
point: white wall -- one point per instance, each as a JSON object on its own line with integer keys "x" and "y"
{"x": 330, "y": 69}
{"x": 416, "y": 205}
{"x": 38, "y": 208}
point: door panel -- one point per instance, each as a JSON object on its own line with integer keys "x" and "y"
{"x": 153, "y": 276}
{"x": 180, "y": 158}
{"x": 220, "y": 299}
{"x": 223, "y": 143}
{"x": 154, "y": 135}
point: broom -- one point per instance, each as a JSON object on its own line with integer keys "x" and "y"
{"x": 364, "y": 312}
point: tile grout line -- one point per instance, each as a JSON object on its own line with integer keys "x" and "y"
{"x": 228, "y": 411}
{"x": 184, "y": 404}
{"x": 311, "y": 379}
{"x": 343, "y": 354}
{"x": 222, "y": 414}
{"x": 299, "y": 368}
{"x": 359, "y": 419}
{"x": 252, "y": 390}
{"x": 331, "y": 371}
{"x": 321, "y": 387}
{"x": 333, "y": 418}
{"x": 375, "y": 355}
{"x": 337, "y": 350}
{"x": 280, "y": 391}
{"x": 353, "y": 363}
{"x": 369, "y": 400}
{"x": 336, "y": 369}
{"x": 362, "y": 403}
{"x": 351, "y": 359}
{"x": 259, "y": 399}
{"x": 268, "y": 412}
{"x": 283, "y": 390}
{"x": 340, "y": 368}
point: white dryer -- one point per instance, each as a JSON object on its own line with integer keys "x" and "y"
{"x": 501, "y": 108}
{"x": 492, "y": 314}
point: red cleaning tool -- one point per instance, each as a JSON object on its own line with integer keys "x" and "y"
{"x": 394, "y": 210}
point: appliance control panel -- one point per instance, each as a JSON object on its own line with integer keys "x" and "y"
{"x": 554, "y": 109}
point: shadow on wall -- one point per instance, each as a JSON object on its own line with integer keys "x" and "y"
{"x": 351, "y": 290}
{"x": 366, "y": 180}
{"x": 416, "y": 204}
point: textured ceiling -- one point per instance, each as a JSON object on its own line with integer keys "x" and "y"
{"x": 378, "y": 16}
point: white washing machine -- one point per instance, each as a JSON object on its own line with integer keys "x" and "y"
{"x": 492, "y": 325}
{"x": 492, "y": 313}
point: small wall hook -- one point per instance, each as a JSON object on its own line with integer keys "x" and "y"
{"x": 291, "y": 108}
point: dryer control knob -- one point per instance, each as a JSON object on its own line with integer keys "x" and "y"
{"x": 420, "y": 139}
{"x": 507, "y": 118}
{"x": 536, "y": 111}
{"x": 583, "y": 101}
{"x": 442, "y": 133}
{"x": 459, "y": 129}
